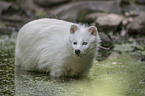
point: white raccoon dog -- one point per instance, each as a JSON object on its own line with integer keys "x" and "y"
{"x": 56, "y": 46}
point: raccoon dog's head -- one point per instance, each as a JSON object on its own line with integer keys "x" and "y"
{"x": 83, "y": 39}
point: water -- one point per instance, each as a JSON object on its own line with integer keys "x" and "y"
{"x": 124, "y": 76}
{"x": 7, "y": 46}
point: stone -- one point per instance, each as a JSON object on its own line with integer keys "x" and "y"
{"x": 83, "y": 14}
{"x": 125, "y": 2}
{"x": 70, "y": 11}
{"x": 49, "y": 3}
{"x": 133, "y": 10}
{"x": 27, "y": 6}
{"x": 95, "y": 15}
{"x": 137, "y": 26}
{"x": 140, "y": 1}
{"x": 107, "y": 22}
{"x": 114, "y": 55}
{"x": 30, "y": 8}
{"x": 3, "y": 29}
{"x": 92, "y": 17}
{"x": 4, "y": 6}
{"x": 2, "y": 25}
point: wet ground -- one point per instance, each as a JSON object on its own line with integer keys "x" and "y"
{"x": 121, "y": 76}
{"x": 7, "y": 46}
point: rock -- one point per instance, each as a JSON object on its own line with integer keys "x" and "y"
{"x": 97, "y": 0}
{"x": 140, "y": 1}
{"x": 143, "y": 59}
{"x": 89, "y": 18}
{"x": 133, "y": 10}
{"x": 27, "y": 6}
{"x": 49, "y": 3}
{"x": 114, "y": 55}
{"x": 124, "y": 47}
{"x": 107, "y": 22}
{"x": 83, "y": 14}
{"x": 137, "y": 26}
{"x": 4, "y": 6}
{"x": 126, "y": 20}
{"x": 30, "y": 8}
{"x": 95, "y": 15}
{"x": 125, "y": 2}
{"x": 3, "y": 29}
{"x": 70, "y": 11}
{"x": 132, "y": 2}
{"x": 2, "y": 26}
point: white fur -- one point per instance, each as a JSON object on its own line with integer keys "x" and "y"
{"x": 46, "y": 45}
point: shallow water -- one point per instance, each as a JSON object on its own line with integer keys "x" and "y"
{"x": 124, "y": 76}
{"x": 7, "y": 46}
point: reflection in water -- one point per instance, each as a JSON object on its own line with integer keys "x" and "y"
{"x": 105, "y": 79}
{"x": 31, "y": 84}
{"x": 38, "y": 84}
{"x": 124, "y": 76}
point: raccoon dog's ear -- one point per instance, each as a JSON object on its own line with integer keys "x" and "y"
{"x": 73, "y": 29}
{"x": 93, "y": 30}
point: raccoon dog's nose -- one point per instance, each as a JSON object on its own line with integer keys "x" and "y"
{"x": 77, "y": 51}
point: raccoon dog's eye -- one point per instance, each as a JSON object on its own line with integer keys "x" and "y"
{"x": 85, "y": 43}
{"x": 75, "y": 43}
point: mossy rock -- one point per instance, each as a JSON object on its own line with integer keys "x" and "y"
{"x": 4, "y": 29}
